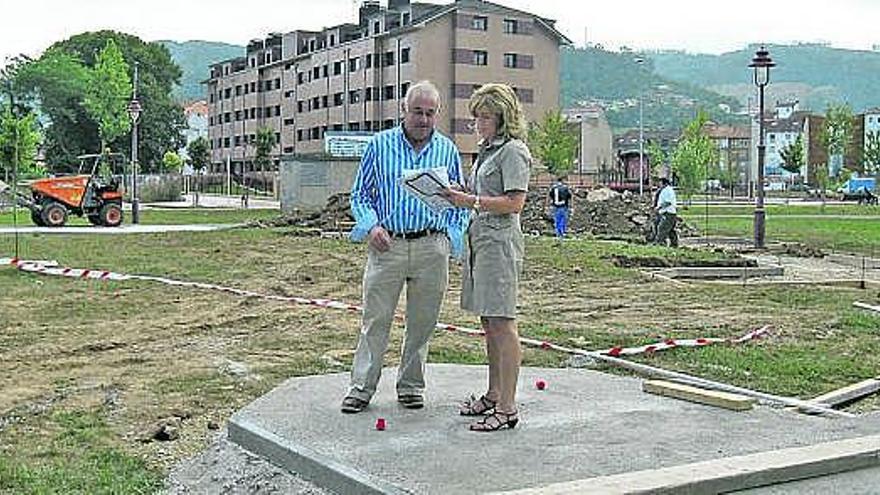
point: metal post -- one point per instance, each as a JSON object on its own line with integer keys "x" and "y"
{"x": 135, "y": 201}
{"x": 15, "y": 124}
{"x": 759, "y": 203}
{"x": 641, "y": 149}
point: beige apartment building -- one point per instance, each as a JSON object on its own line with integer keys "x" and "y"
{"x": 351, "y": 77}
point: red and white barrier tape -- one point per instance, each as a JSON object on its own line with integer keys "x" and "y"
{"x": 52, "y": 268}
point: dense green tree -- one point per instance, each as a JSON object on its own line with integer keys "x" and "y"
{"x": 199, "y": 154}
{"x": 872, "y": 153}
{"x": 58, "y": 83}
{"x": 19, "y": 141}
{"x": 793, "y": 155}
{"x": 554, "y": 143}
{"x": 264, "y": 146}
{"x": 171, "y": 162}
{"x": 108, "y": 93}
{"x": 693, "y": 155}
{"x": 837, "y": 133}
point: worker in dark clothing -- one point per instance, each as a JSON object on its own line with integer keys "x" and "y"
{"x": 560, "y": 199}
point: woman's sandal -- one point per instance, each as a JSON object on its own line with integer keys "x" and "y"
{"x": 477, "y": 407}
{"x": 496, "y": 421}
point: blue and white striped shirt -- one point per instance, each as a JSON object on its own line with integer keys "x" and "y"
{"x": 378, "y": 198}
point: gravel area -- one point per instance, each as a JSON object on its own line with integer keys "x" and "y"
{"x": 227, "y": 469}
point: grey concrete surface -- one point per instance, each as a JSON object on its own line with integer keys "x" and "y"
{"x": 585, "y": 424}
{"x": 861, "y": 482}
{"x": 715, "y": 272}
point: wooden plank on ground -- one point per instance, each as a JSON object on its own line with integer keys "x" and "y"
{"x": 862, "y": 305}
{"x": 734, "y": 402}
{"x": 849, "y": 393}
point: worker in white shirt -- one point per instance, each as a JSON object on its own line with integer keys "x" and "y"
{"x": 666, "y": 209}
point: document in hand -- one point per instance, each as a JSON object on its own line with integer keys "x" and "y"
{"x": 427, "y": 185}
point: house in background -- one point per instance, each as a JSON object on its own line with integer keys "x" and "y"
{"x": 733, "y": 143}
{"x": 196, "y": 114}
{"x": 594, "y": 142}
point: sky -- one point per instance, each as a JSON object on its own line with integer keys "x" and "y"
{"x": 696, "y": 26}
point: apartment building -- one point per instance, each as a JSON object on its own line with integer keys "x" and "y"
{"x": 352, "y": 77}
{"x": 733, "y": 143}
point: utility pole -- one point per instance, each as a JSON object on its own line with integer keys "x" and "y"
{"x": 134, "y": 111}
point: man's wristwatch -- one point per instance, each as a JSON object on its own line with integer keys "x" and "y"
{"x": 476, "y": 203}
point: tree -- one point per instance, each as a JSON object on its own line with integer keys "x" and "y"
{"x": 265, "y": 144}
{"x": 199, "y": 155}
{"x": 872, "y": 153}
{"x": 554, "y": 143}
{"x": 19, "y": 141}
{"x": 837, "y": 134}
{"x": 793, "y": 155}
{"x": 58, "y": 83}
{"x": 693, "y": 155}
{"x": 823, "y": 181}
{"x": 108, "y": 93}
{"x": 656, "y": 157}
{"x": 171, "y": 162}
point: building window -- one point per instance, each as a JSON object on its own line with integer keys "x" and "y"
{"x": 301, "y": 78}
{"x": 481, "y": 57}
{"x": 354, "y": 96}
{"x": 253, "y": 87}
{"x": 316, "y": 73}
{"x": 337, "y": 68}
{"x": 332, "y": 40}
{"x": 316, "y": 103}
{"x": 299, "y": 106}
{"x": 354, "y": 126}
{"x": 389, "y": 59}
{"x": 277, "y": 83}
{"x": 480, "y": 23}
{"x": 404, "y": 56}
{"x": 369, "y": 60}
{"x": 510, "y": 60}
{"x": 238, "y": 90}
{"x": 403, "y": 89}
{"x": 299, "y": 134}
{"x": 376, "y": 27}
{"x": 325, "y": 101}
{"x": 353, "y": 64}
{"x": 510, "y": 26}
{"x": 278, "y": 110}
{"x": 388, "y": 124}
{"x": 211, "y": 98}
{"x": 326, "y": 70}
{"x": 338, "y": 127}
{"x": 227, "y": 93}
{"x": 388, "y": 92}
{"x": 338, "y": 99}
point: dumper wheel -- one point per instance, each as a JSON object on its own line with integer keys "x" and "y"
{"x": 111, "y": 215}
{"x": 37, "y": 219}
{"x": 54, "y": 214}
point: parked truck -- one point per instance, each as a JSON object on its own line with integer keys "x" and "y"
{"x": 861, "y": 189}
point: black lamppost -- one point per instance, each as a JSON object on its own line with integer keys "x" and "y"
{"x": 761, "y": 65}
{"x": 134, "y": 111}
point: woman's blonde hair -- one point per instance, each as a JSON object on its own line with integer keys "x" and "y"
{"x": 501, "y": 101}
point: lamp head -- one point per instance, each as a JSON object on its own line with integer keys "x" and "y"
{"x": 761, "y": 65}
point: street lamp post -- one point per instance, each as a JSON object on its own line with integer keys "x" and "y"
{"x": 640, "y": 61}
{"x": 761, "y": 65}
{"x": 134, "y": 111}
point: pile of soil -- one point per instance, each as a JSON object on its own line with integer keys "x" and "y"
{"x": 798, "y": 250}
{"x": 600, "y": 212}
{"x": 659, "y": 262}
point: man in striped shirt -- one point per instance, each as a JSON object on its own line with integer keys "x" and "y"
{"x": 408, "y": 244}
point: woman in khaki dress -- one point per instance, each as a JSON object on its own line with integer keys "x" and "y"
{"x": 494, "y": 247}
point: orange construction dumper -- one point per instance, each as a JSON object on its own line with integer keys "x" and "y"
{"x": 94, "y": 194}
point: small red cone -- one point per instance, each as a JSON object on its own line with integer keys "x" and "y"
{"x": 380, "y": 424}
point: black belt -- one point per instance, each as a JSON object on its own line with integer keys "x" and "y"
{"x": 418, "y": 234}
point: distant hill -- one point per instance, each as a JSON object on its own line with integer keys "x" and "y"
{"x": 615, "y": 81}
{"x": 814, "y": 74}
{"x": 194, "y": 57}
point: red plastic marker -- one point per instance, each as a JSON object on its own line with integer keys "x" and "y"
{"x": 380, "y": 424}
{"x": 541, "y": 384}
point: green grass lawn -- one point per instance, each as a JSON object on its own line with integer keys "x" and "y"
{"x": 777, "y": 209}
{"x": 86, "y": 367}
{"x": 168, "y": 216}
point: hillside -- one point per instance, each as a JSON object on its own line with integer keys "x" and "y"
{"x": 615, "y": 81}
{"x": 194, "y": 57}
{"x": 815, "y": 74}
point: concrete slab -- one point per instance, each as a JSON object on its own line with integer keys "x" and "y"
{"x": 716, "y": 272}
{"x": 585, "y": 424}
